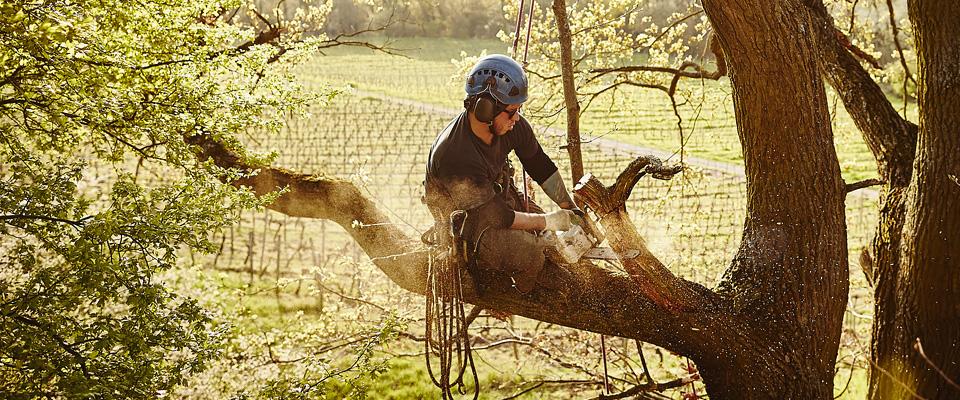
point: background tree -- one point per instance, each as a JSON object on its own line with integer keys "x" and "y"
{"x": 99, "y": 191}
{"x": 917, "y": 320}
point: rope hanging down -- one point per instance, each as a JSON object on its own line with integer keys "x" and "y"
{"x": 526, "y": 198}
{"x": 526, "y": 47}
{"x": 446, "y": 322}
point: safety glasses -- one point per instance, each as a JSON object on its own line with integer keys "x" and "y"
{"x": 510, "y": 113}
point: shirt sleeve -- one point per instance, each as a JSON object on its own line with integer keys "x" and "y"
{"x": 537, "y": 163}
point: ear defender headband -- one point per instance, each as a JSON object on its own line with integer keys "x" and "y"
{"x": 485, "y": 108}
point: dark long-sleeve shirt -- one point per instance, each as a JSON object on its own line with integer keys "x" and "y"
{"x": 462, "y": 169}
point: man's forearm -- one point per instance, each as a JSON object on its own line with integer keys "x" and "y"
{"x": 528, "y": 221}
{"x": 557, "y": 191}
{"x": 559, "y": 220}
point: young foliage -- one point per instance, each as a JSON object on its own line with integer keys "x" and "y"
{"x": 99, "y": 190}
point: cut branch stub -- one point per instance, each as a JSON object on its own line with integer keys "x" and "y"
{"x": 603, "y": 199}
{"x": 656, "y": 282}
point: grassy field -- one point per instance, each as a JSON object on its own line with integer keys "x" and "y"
{"x": 282, "y": 271}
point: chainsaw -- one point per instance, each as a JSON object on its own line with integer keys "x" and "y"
{"x": 582, "y": 240}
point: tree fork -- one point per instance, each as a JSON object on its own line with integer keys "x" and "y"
{"x": 790, "y": 275}
{"x": 653, "y": 278}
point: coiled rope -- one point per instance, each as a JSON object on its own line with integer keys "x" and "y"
{"x": 447, "y": 323}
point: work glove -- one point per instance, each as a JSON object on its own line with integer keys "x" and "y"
{"x": 560, "y": 220}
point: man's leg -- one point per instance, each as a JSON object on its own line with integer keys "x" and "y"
{"x": 511, "y": 256}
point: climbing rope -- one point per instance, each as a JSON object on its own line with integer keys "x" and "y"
{"x": 526, "y": 48}
{"x": 446, "y": 322}
{"x": 526, "y": 197}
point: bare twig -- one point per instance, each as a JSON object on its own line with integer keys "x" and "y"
{"x": 919, "y": 348}
{"x": 538, "y": 384}
{"x": 896, "y": 42}
{"x": 76, "y": 224}
{"x": 671, "y": 26}
{"x": 651, "y": 387}
{"x": 862, "y": 184}
{"x": 615, "y": 18}
{"x": 643, "y": 361}
{"x": 355, "y": 299}
{"x": 698, "y": 71}
{"x": 853, "y": 17}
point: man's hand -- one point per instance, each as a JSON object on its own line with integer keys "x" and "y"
{"x": 560, "y": 220}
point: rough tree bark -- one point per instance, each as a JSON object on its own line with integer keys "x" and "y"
{"x": 920, "y": 303}
{"x": 569, "y": 89}
{"x": 892, "y": 140}
{"x": 916, "y": 281}
{"x": 789, "y": 278}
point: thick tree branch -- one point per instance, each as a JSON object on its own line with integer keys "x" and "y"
{"x": 653, "y": 278}
{"x": 891, "y": 138}
{"x": 580, "y": 296}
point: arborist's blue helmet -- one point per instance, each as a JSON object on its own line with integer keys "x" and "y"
{"x": 501, "y": 77}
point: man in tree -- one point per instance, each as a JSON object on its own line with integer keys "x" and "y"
{"x": 468, "y": 170}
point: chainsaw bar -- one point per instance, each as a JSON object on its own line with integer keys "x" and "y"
{"x": 606, "y": 253}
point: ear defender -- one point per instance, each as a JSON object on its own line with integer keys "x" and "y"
{"x": 485, "y": 110}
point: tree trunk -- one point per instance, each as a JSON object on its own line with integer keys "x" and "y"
{"x": 921, "y": 306}
{"x": 789, "y": 279}
{"x": 892, "y": 140}
{"x": 570, "y": 101}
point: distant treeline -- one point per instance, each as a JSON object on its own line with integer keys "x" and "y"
{"x": 457, "y": 18}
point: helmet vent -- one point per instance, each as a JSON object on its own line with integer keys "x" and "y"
{"x": 514, "y": 91}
